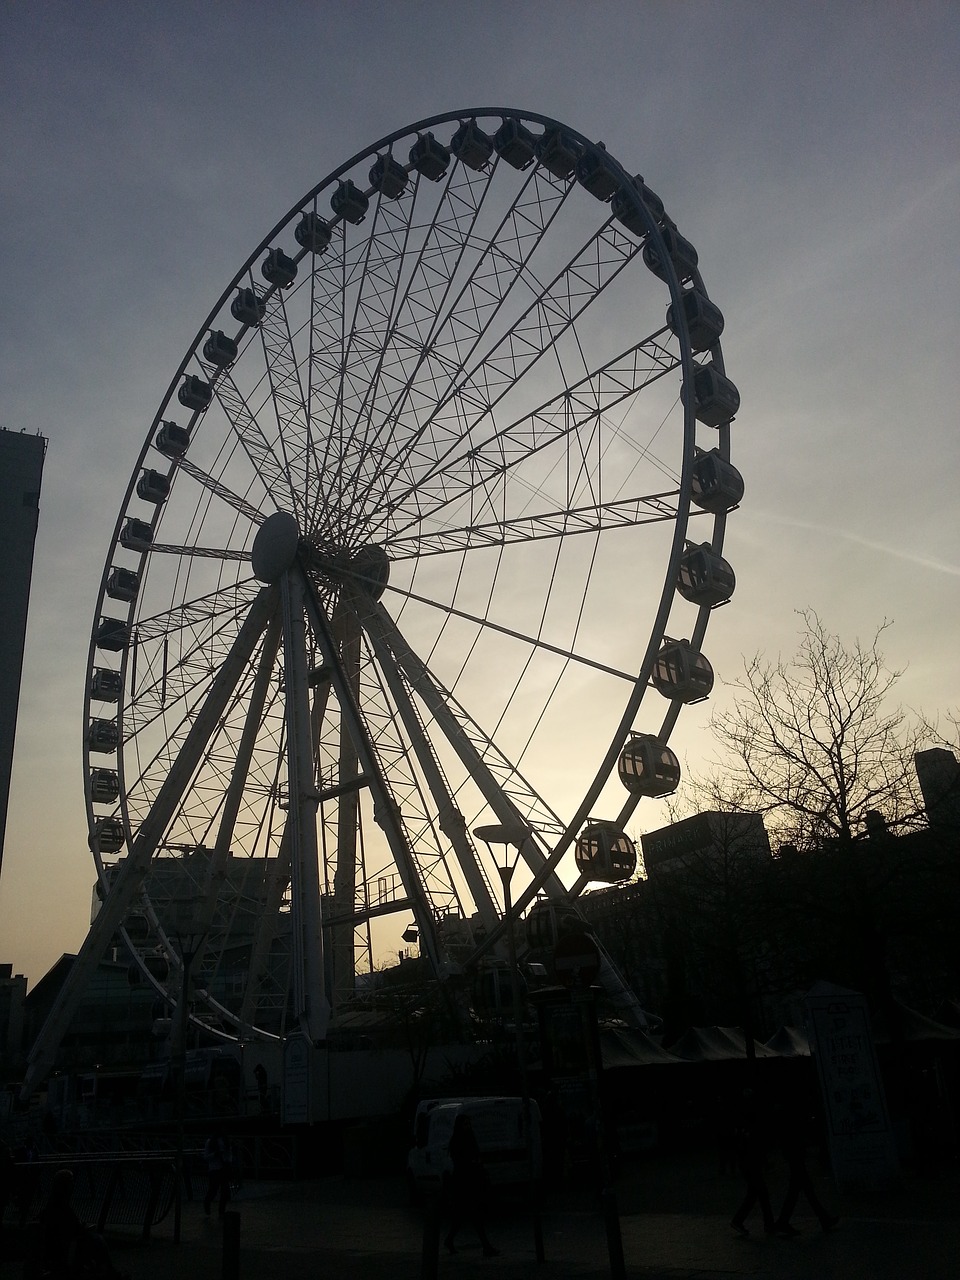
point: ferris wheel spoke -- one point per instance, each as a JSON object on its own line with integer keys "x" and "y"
{"x": 433, "y": 340}
{"x": 265, "y": 455}
{"x": 472, "y": 399}
{"x": 387, "y": 328}
{"x": 559, "y": 421}
{"x": 527, "y": 640}
{"x": 222, "y": 491}
{"x": 200, "y": 553}
{"x": 172, "y": 650}
{"x": 625, "y": 513}
{"x": 290, "y": 403}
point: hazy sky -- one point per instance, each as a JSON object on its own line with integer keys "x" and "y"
{"x": 811, "y": 152}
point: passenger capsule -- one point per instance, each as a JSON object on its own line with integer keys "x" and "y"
{"x": 123, "y": 584}
{"x": 515, "y": 143}
{"x": 220, "y": 350}
{"x": 278, "y": 269}
{"x": 389, "y": 177}
{"x": 248, "y": 307}
{"x": 597, "y": 172}
{"x": 137, "y": 929}
{"x": 624, "y": 208}
{"x": 104, "y": 786}
{"x": 557, "y": 153}
{"x": 153, "y": 486}
{"x": 546, "y": 922}
{"x": 681, "y": 674}
{"x": 647, "y": 767}
{"x": 113, "y": 635}
{"x": 605, "y": 853}
{"x": 107, "y": 835}
{"x": 493, "y": 990}
{"x": 172, "y": 440}
{"x": 136, "y": 535}
{"x": 103, "y": 736}
{"x": 106, "y": 685}
{"x": 430, "y": 157}
{"x": 705, "y": 578}
{"x": 716, "y": 485}
{"x": 715, "y": 398}
{"x": 680, "y": 252}
{"x": 313, "y": 233}
{"x": 349, "y": 202}
{"x": 472, "y": 146}
{"x": 194, "y": 393}
{"x": 704, "y": 320}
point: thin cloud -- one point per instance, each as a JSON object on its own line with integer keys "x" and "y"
{"x": 925, "y": 562}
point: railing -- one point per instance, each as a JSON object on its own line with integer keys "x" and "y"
{"x": 135, "y": 1191}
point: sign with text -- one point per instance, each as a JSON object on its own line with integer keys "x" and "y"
{"x": 862, "y": 1147}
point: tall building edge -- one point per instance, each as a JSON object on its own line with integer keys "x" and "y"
{"x": 21, "y": 469}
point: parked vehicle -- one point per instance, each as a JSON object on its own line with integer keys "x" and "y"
{"x": 510, "y": 1149}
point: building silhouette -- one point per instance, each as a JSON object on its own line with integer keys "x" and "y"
{"x": 21, "y": 467}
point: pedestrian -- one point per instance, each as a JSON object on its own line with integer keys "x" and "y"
{"x": 67, "y": 1246}
{"x": 750, "y": 1138}
{"x": 8, "y": 1180}
{"x": 260, "y": 1075}
{"x": 219, "y": 1157}
{"x": 468, "y": 1186}
{"x": 792, "y": 1135}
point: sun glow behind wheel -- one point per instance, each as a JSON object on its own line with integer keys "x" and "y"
{"x": 470, "y": 373}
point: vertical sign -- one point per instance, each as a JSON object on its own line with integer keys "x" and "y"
{"x": 296, "y": 1080}
{"x": 862, "y": 1147}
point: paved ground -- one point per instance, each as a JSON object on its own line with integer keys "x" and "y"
{"x": 674, "y": 1219}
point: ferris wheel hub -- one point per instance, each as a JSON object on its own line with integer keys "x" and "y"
{"x": 275, "y": 546}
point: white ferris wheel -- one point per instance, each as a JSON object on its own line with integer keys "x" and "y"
{"x": 423, "y": 537}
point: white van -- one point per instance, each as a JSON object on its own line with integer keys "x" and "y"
{"x": 499, "y": 1128}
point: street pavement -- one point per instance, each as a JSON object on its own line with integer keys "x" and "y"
{"x": 674, "y": 1220}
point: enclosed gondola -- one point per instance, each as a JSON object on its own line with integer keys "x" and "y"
{"x": 716, "y": 484}
{"x": 705, "y": 577}
{"x": 605, "y": 853}
{"x": 647, "y": 767}
{"x": 680, "y": 673}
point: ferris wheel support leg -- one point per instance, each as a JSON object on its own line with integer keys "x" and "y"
{"x": 133, "y": 869}
{"x": 311, "y": 1007}
{"x": 238, "y": 779}
{"x": 341, "y": 936}
{"x": 386, "y": 811}
{"x": 416, "y": 672}
{"x": 452, "y": 822}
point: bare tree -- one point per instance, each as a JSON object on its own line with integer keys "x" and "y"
{"x": 815, "y": 746}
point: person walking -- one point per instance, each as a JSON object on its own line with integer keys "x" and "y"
{"x": 67, "y": 1246}
{"x": 792, "y": 1136}
{"x": 219, "y": 1157}
{"x": 468, "y": 1186}
{"x": 750, "y": 1138}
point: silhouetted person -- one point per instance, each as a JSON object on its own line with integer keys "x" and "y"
{"x": 260, "y": 1075}
{"x": 8, "y": 1180}
{"x": 468, "y": 1186}
{"x": 219, "y": 1157}
{"x": 751, "y": 1146}
{"x": 792, "y": 1135}
{"x": 68, "y": 1247}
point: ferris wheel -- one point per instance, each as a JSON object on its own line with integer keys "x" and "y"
{"x": 417, "y": 557}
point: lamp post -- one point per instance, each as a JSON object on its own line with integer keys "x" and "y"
{"x": 507, "y": 835}
{"x": 189, "y": 933}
